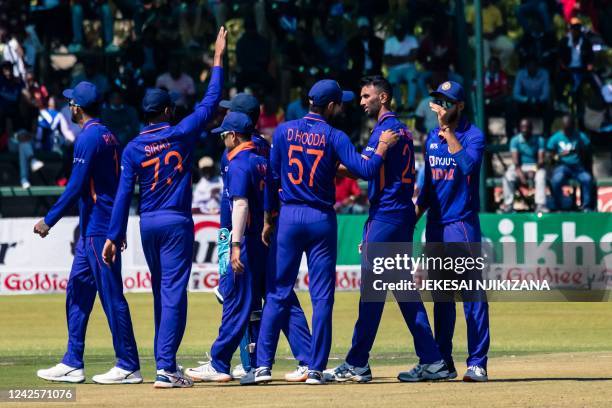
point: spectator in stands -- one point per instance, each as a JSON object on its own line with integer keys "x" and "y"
{"x": 34, "y": 95}
{"x": 538, "y": 44}
{"x": 497, "y": 92}
{"x": 332, "y": 48}
{"x": 299, "y": 107}
{"x": 349, "y": 197}
{"x": 426, "y": 118}
{"x": 22, "y": 144}
{"x": 13, "y": 52}
{"x": 576, "y": 60}
{"x": 207, "y": 192}
{"x": 494, "y": 35}
{"x": 365, "y": 50}
{"x": 52, "y": 131}
{"x": 120, "y": 118}
{"x": 531, "y": 92}
{"x": 178, "y": 83}
{"x": 438, "y": 54}
{"x": 271, "y": 116}
{"x": 530, "y": 10}
{"x": 253, "y": 57}
{"x": 10, "y": 91}
{"x": 100, "y": 8}
{"x": 570, "y": 146}
{"x": 527, "y": 164}
{"x": 91, "y": 74}
{"x": 400, "y": 57}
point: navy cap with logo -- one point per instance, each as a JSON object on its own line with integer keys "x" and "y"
{"x": 155, "y": 100}
{"x": 242, "y": 102}
{"x": 85, "y": 94}
{"x": 451, "y": 90}
{"x": 235, "y": 122}
{"x": 328, "y": 90}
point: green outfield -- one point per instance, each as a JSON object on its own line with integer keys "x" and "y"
{"x": 33, "y": 335}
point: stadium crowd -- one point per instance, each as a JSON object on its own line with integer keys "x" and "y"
{"x": 547, "y": 76}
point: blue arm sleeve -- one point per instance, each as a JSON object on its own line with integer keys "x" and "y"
{"x": 194, "y": 124}
{"x": 272, "y": 202}
{"x": 84, "y": 151}
{"x": 469, "y": 158}
{"x": 423, "y": 198}
{"x": 121, "y": 208}
{"x": 357, "y": 165}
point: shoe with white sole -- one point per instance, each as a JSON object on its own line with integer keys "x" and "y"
{"x": 315, "y": 378}
{"x": 207, "y": 373}
{"x": 166, "y": 379}
{"x": 346, "y": 372}
{"x": 426, "y": 372}
{"x": 118, "y": 375}
{"x": 25, "y": 185}
{"x": 238, "y": 372}
{"x": 259, "y": 375}
{"x": 475, "y": 374}
{"x": 300, "y": 374}
{"x": 36, "y": 165}
{"x": 62, "y": 373}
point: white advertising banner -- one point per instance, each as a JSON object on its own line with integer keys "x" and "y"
{"x": 30, "y": 264}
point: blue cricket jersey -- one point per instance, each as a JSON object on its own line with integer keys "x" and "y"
{"x": 262, "y": 148}
{"x": 246, "y": 177}
{"x": 161, "y": 158}
{"x": 304, "y": 159}
{"x": 93, "y": 182}
{"x": 450, "y": 191}
{"x": 390, "y": 193}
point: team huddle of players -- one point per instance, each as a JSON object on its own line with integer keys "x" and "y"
{"x": 277, "y": 205}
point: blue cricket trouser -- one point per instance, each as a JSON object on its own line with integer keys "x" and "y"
{"x": 370, "y": 313}
{"x": 88, "y": 276}
{"x": 476, "y": 313}
{"x": 239, "y": 300}
{"x": 302, "y": 229}
{"x": 167, "y": 241}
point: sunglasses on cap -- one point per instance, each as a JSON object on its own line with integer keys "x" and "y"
{"x": 73, "y": 104}
{"x": 226, "y": 134}
{"x": 444, "y": 103}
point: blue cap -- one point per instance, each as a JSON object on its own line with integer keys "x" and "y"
{"x": 450, "y": 89}
{"x": 242, "y": 102}
{"x": 235, "y": 122}
{"x": 85, "y": 94}
{"x": 155, "y": 100}
{"x": 328, "y": 90}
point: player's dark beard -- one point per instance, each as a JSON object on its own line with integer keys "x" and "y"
{"x": 374, "y": 109}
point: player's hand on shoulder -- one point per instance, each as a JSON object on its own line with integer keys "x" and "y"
{"x": 41, "y": 228}
{"x": 220, "y": 45}
{"x": 109, "y": 252}
{"x": 237, "y": 265}
{"x": 390, "y": 137}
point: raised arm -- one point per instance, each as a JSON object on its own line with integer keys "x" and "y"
{"x": 194, "y": 123}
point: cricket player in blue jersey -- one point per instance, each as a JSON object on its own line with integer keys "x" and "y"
{"x": 391, "y": 219}
{"x": 246, "y": 182}
{"x": 296, "y": 330}
{"x": 93, "y": 183}
{"x": 304, "y": 158}
{"x": 161, "y": 159}
{"x": 453, "y": 156}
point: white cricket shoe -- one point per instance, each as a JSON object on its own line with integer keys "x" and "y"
{"x": 300, "y": 374}
{"x": 166, "y": 379}
{"x": 207, "y": 373}
{"x": 118, "y": 375}
{"x": 62, "y": 373}
{"x": 238, "y": 372}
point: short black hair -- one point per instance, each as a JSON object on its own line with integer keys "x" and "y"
{"x": 379, "y": 82}
{"x": 316, "y": 109}
{"x": 93, "y": 111}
